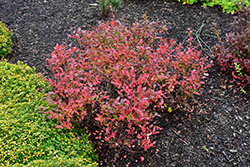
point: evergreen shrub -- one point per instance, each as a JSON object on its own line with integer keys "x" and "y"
{"x": 5, "y": 40}
{"x": 27, "y": 136}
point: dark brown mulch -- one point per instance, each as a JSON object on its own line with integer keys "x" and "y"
{"x": 221, "y": 124}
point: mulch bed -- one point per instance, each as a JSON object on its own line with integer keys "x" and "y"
{"x": 217, "y": 134}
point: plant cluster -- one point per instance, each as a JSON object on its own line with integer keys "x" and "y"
{"x": 120, "y": 78}
{"x": 5, "y": 40}
{"x": 190, "y": 2}
{"x": 228, "y": 6}
{"x": 106, "y": 5}
{"x": 236, "y": 54}
{"x": 28, "y": 137}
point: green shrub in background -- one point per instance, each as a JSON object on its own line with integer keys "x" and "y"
{"x": 5, "y": 40}
{"x": 228, "y": 6}
{"x": 28, "y": 137}
{"x": 105, "y": 5}
{"x": 190, "y": 2}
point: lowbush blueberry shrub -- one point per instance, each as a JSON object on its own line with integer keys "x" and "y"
{"x": 120, "y": 78}
{"x": 235, "y": 56}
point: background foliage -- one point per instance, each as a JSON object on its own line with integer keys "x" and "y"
{"x": 228, "y": 6}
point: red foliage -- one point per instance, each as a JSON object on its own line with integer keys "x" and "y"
{"x": 128, "y": 72}
{"x": 238, "y": 48}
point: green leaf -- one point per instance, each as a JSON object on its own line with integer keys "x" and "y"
{"x": 205, "y": 148}
{"x": 169, "y": 109}
{"x": 165, "y": 105}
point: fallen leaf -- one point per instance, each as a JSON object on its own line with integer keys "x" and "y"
{"x": 223, "y": 86}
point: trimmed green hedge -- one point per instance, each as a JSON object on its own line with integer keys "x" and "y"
{"x": 60, "y": 162}
{"x": 5, "y": 40}
{"x": 28, "y": 138}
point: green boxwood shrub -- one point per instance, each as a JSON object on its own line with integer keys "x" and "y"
{"x": 5, "y": 40}
{"x": 28, "y": 137}
{"x": 58, "y": 162}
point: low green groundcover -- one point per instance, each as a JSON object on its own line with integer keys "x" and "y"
{"x": 27, "y": 137}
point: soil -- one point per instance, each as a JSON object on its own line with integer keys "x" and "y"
{"x": 216, "y": 134}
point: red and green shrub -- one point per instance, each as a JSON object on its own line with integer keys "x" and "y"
{"x": 119, "y": 77}
{"x": 235, "y": 56}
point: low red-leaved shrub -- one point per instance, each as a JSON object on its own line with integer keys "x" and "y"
{"x": 119, "y": 77}
{"x": 235, "y": 56}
